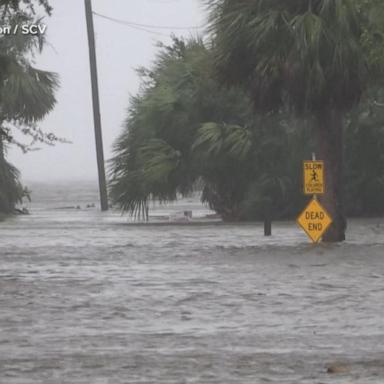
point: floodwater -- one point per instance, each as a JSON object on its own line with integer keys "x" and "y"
{"x": 88, "y": 298}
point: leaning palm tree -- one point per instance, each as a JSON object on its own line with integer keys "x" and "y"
{"x": 155, "y": 158}
{"x": 315, "y": 56}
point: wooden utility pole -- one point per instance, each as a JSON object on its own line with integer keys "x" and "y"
{"x": 96, "y": 107}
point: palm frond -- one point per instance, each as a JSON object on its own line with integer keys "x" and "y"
{"x": 309, "y": 54}
{"x": 210, "y": 136}
{"x": 27, "y": 93}
{"x": 159, "y": 160}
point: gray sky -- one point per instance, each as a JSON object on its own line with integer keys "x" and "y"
{"x": 120, "y": 50}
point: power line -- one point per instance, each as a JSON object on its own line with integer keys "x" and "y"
{"x": 132, "y": 24}
{"x": 146, "y": 30}
{"x": 157, "y": 33}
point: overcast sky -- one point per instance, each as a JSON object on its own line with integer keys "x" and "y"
{"x": 120, "y": 49}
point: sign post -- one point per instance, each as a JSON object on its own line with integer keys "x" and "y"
{"x": 314, "y": 220}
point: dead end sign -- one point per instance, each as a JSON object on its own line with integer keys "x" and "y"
{"x": 314, "y": 177}
{"x": 315, "y": 220}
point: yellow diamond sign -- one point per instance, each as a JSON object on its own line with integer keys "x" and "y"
{"x": 313, "y": 177}
{"x": 315, "y": 220}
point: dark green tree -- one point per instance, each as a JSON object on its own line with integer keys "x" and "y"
{"x": 185, "y": 129}
{"x": 364, "y": 155}
{"x": 315, "y": 57}
{"x": 169, "y": 145}
{"x": 26, "y": 93}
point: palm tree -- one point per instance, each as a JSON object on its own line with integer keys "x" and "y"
{"x": 364, "y": 158}
{"x": 28, "y": 5}
{"x": 26, "y": 93}
{"x": 222, "y": 154}
{"x": 169, "y": 142}
{"x": 185, "y": 131}
{"x": 313, "y": 56}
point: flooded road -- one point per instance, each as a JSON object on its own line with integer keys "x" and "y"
{"x": 86, "y": 298}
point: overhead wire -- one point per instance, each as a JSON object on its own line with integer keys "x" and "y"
{"x": 145, "y": 26}
{"x": 147, "y": 30}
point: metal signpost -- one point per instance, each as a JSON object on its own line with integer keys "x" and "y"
{"x": 314, "y": 220}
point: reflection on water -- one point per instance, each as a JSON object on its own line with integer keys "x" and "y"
{"x": 88, "y": 298}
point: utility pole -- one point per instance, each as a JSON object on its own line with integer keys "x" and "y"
{"x": 96, "y": 107}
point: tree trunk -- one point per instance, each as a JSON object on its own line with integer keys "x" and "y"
{"x": 267, "y": 227}
{"x": 329, "y": 130}
{"x": 268, "y": 217}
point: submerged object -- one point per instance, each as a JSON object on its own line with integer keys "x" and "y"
{"x": 337, "y": 368}
{"x": 22, "y": 211}
{"x": 181, "y": 217}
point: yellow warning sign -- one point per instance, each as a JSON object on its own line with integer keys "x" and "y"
{"x": 314, "y": 220}
{"x": 314, "y": 177}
